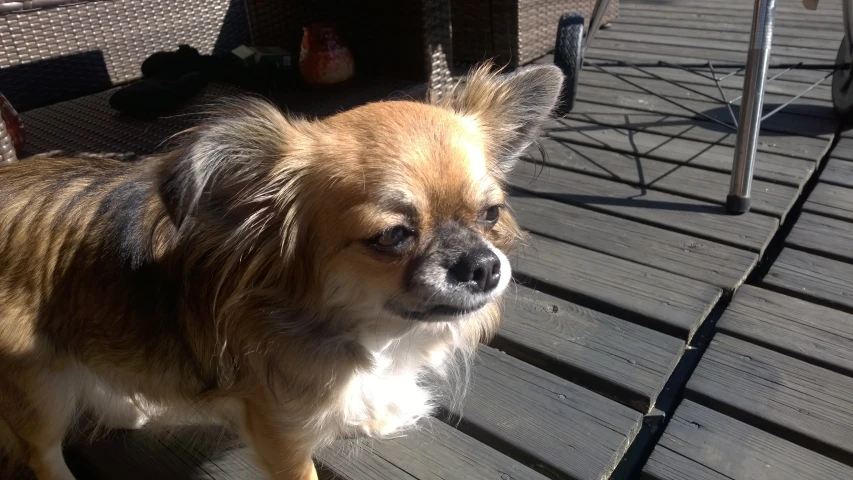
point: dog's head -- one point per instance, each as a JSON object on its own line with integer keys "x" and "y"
{"x": 394, "y": 209}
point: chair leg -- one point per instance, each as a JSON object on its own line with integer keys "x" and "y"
{"x": 598, "y": 12}
{"x": 751, "y": 106}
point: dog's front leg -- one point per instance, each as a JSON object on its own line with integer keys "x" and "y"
{"x": 283, "y": 455}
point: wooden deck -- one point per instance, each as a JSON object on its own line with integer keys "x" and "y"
{"x": 632, "y": 303}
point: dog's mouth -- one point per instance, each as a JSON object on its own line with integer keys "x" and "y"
{"x": 438, "y": 313}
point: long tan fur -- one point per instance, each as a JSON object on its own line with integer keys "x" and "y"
{"x": 232, "y": 279}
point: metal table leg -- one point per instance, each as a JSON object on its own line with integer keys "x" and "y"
{"x": 595, "y": 22}
{"x": 751, "y": 106}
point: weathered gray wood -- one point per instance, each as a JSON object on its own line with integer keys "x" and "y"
{"x": 804, "y": 403}
{"x": 702, "y": 260}
{"x": 767, "y": 198}
{"x": 810, "y": 332}
{"x": 610, "y": 356}
{"x": 693, "y": 217}
{"x": 638, "y": 99}
{"x": 699, "y": 443}
{"x": 743, "y": 11}
{"x": 684, "y": 126}
{"x": 831, "y": 201}
{"x": 667, "y": 302}
{"x": 789, "y": 34}
{"x": 435, "y": 452}
{"x": 813, "y": 277}
{"x": 844, "y": 149}
{"x": 692, "y": 87}
{"x": 679, "y": 151}
{"x": 557, "y": 425}
{"x": 823, "y": 236}
{"x": 817, "y": 40}
{"x": 825, "y": 55}
{"x": 838, "y": 172}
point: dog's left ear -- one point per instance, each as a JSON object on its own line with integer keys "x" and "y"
{"x": 510, "y": 108}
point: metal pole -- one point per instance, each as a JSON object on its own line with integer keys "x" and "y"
{"x": 595, "y": 22}
{"x": 847, "y": 12}
{"x": 751, "y": 106}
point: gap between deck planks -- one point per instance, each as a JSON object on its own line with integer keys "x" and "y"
{"x": 684, "y": 180}
{"x": 701, "y": 444}
{"x": 669, "y": 303}
{"x": 750, "y": 231}
{"x": 802, "y": 403}
{"x": 812, "y": 277}
{"x": 679, "y": 151}
{"x": 803, "y": 330}
{"x": 706, "y": 261}
{"x": 615, "y": 358}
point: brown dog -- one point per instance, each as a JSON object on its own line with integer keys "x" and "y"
{"x": 298, "y": 280}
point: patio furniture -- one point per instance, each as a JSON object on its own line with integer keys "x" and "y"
{"x": 514, "y": 32}
{"x": 52, "y": 51}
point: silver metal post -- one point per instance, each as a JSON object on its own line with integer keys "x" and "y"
{"x": 595, "y": 22}
{"x": 751, "y": 106}
{"x": 847, "y": 12}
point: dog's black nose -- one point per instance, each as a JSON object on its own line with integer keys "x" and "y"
{"x": 479, "y": 271}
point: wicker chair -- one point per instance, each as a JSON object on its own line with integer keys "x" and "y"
{"x": 57, "y": 64}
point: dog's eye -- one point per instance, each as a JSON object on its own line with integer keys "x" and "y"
{"x": 392, "y": 239}
{"x": 490, "y": 215}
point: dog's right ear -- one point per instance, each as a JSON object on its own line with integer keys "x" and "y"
{"x": 222, "y": 170}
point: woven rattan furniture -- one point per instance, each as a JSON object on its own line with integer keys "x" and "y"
{"x": 67, "y": 52}
{"x": 513, "y": 32}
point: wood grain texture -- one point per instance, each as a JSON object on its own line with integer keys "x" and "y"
{"x": 831, "y": 201}
{"x": 767, "y": 198}
{"x": 638, "y": 99}
{"x": 687, "y": 126}
{"x": 693, "y": 217}
{"x": 435, "y": 452}
{"x": 667, "y": 302}
{"x": 823, "y": 236}
{"x": 615, "y": 358}
{"x": 673, "y": 252}
{"x": 797, "y": 328}
{"x": 838, "y": 172}
{"x": 813, "y": 277}
{"x": 803, "y": 403}
{"x": 678, "y": 151}
{"x": 567, "y": 431}
{"x": 700, "y": 443}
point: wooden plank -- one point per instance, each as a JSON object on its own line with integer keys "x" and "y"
{"x": 683, "y": 126}
{"x": 639, "y": 100}
{"x": 666, "y": 302}
{"x": 699, "y": 443}
{"x": 743, "y": 11}
{"x": 788, "y": 33}
{"x": 612, "y": 357}
{"x": 831, "y": 201}
{"x": 838, "y": 172}
{"x": 817, "y": 40}
{"x": 565, "y": 430}
{"x": 693, "y": 217}
{"x": 435, "y": 452}
{"x": 684, "y": 180}
{"x": 813, "y": 277}
{"x": 810, "y": 332}
{"x": 824, "y": 236}
{"x": 844, "y": 148}
{"x": 679, "y": 151}
{"x": 705, "y": 95}
{"x": 724, "y": 14}
{"x": 824, "y": 55}
{"x": 602, "y": 49}
{"x": 673, "y": 252}
{"x": 803, "y": 403}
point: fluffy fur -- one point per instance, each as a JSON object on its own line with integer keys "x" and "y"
{"x": 244, "y": 277}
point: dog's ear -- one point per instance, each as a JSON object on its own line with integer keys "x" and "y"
{"x": 510, "y": 108}
{"x": 222, "y": 170}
